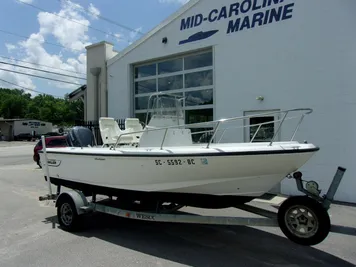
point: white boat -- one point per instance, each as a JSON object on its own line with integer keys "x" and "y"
{"x": 159, "y": 161}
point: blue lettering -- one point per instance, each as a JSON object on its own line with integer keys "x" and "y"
{"x": 185, "y": 24}
{"x": 266, "y": 17}
{"x": 287, "y": 11}
{"x": 198, "y": 20}
{"x": 223, "y": 13}
{"x": 233, "y": 26}
{"x": 274, "y": 2}
{"x": 213, "y": 12}
{"x": 257, "y": 18}
{"x": 245, "y": 8}
{"x": 255, "y": 6}
{"x": 234, "y": 8}
{"x": 192, "y": 22}
{"x": 276, "y": 15}
{"x": 245, "y": 23}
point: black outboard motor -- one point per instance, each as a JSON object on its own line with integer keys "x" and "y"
{"x": 80, "y": 136}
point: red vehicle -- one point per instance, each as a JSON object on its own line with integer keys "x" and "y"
{"x": 51, "y": 141}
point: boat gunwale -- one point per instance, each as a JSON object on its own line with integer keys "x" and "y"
{"x": 184, "y": 154}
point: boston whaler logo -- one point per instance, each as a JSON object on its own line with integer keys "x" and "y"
{"x": 198, "y": 36}
{"x": 53, "y": 162}
{"x": 242, "y": 15}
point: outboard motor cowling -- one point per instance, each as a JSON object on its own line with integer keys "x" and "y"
{"x": 80, "y": 136}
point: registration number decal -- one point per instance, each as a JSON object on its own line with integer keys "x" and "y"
{"x": 177, "y": 162}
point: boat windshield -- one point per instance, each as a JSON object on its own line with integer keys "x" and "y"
{"x": 166, "y": 107}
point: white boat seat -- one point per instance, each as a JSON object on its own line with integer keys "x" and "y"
{"x": 134, "y": 125}
{"x": 110, "y": 132}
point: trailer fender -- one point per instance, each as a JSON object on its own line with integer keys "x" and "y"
{"x": 78, "y": 198}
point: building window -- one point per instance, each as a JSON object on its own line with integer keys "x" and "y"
{"x": 269, "y": 124}
{"x": 145, "y": 71}
{"x": 266, "y": 131}
{"x": 170, "y": 66}
{"x": 170, "y": 83}
{"x": 200, "y": 78}
{"x": 190, "y": 75}
{"x": 202, "y": 134}
{"x": 198, "y": 61}
{"x": 146, "y": 86}
{"x": 199, "y": 98}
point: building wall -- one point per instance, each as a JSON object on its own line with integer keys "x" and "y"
{"x": 306, "y": 59}
{"x": 97, "y": 55}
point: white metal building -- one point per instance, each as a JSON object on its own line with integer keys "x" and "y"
{"x": 236, "y": 57}
{"x": 12, "y": 129}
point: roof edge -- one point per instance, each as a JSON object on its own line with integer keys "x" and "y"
{"x": 98, "y": 44}
{"x": 159, "y": 27}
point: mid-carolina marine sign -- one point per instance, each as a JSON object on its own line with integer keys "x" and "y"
{"x": 241, "y": 15}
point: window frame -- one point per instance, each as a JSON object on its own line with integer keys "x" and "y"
{"x": 183, "y": 73}
{"x": 247, "y": 129}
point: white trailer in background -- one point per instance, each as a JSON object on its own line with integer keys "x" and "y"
{"x": 32, "y": 127}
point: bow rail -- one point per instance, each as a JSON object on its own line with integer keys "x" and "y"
{"x": 216, "y": 124}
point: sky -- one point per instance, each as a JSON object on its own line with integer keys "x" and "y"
{"x": 54, "y": 33}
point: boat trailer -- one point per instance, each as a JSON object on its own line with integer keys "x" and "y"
{"x": 303, "y": 219}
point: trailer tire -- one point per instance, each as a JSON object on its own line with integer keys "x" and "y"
{"x": 68, "y": 217}
{"x": 311, "y": 216}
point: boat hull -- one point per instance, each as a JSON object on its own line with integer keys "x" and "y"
{"x": 226, "y": 172}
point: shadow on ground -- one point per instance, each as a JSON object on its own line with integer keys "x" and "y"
{"x": 202, "y": 246}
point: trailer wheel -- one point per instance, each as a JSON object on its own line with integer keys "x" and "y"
{"x": 304, "y": 220}
{"x": 68, "y": 217}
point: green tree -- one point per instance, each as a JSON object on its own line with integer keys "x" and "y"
{"x": 16, "y": 103}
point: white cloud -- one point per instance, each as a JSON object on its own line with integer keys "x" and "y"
{"x": 93, "y": 11}
{"x": 10, "y": 47}
{"x": 118, "y": 37}
{"x": 181, "y": 2}
{"x": 70, "y": 34}
{"x": 73, "y": 36}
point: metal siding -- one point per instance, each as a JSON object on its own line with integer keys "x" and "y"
{"x": 292, "y": 63}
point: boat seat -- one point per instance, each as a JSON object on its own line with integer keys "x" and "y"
{"x": 134, "y": 125}
{"x": 110, "y": 132}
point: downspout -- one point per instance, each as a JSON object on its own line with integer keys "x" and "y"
{"x": 96, "y": 73}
